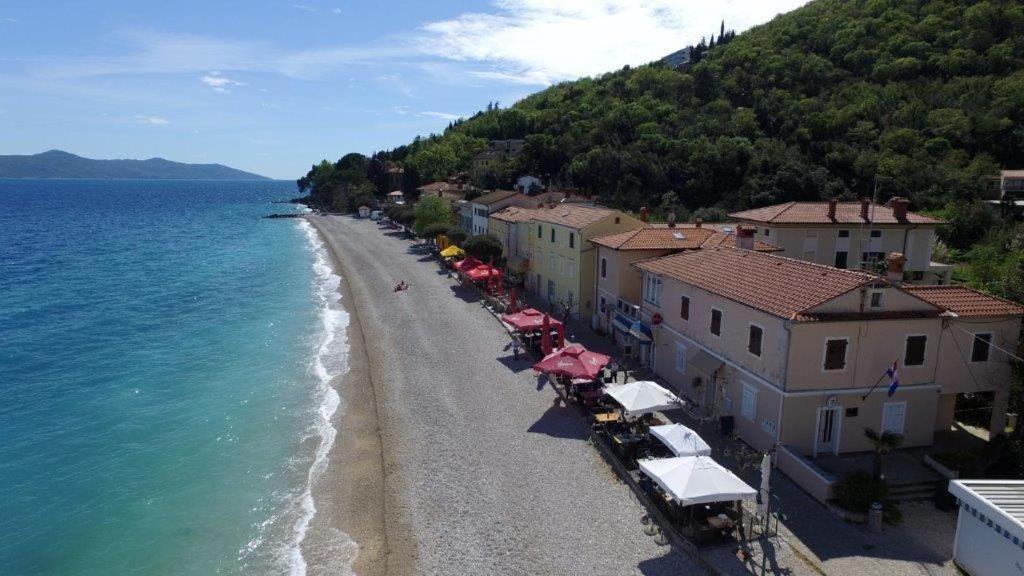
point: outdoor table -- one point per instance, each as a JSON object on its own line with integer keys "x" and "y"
{"x": 607, "y": 417}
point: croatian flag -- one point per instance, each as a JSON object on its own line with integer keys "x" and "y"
{"x": 894, "y": 377}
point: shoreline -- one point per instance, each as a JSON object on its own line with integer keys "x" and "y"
{"x": 351, "y": 498}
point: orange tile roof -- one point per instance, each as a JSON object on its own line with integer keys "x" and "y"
{"x": 661, "y": 237}
{"x": 779, "y": 286}
{"x": 817, "y": 213}
{"x": 514, "y": 214}
{"x": 574, "y": 215}
{"x": 964, "y": 301}
{"x": 719, "y": 238}
{"x": 494, "y": 196}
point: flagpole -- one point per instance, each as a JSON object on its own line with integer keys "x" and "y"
{"x": 868, "y": 393}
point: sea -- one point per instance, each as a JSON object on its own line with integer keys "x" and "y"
{"x": 165, "y": 360}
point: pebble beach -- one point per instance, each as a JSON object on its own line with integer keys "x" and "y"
{"x": 451, "y": 456}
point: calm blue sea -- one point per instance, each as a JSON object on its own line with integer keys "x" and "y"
{"x": 164, "y": 358}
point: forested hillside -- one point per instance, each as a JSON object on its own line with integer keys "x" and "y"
{"x": 924, "y": 97}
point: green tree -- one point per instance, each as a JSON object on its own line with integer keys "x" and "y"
{"x": 484, "y": 247}
{"x": 881, "y": 444}
{"x": 431, "y": 210}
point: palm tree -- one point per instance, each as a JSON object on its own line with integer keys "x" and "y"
{"x": 883, "y": 444}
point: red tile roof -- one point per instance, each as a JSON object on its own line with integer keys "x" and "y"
{"x": 779, "y": 286}
{"x": 493, "y": 197}
{"x": 661, "y": 237}
{"x": 964, "y": 301}
{"x": 574, "y": 215}
{"x": 514, "y": 214}
{"x": 720, "y": 238}
{"x": 817, "y": 213}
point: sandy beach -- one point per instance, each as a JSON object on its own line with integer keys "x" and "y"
{"x": 450, "y": 458}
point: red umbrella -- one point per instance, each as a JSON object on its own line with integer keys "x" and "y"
{"x": 529, "y": 320}
{"x": 467, "y": 264}
{"x": 573, "y": 361}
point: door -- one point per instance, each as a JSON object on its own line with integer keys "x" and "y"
{"x": 827, "y": 437}
{"x": 894, "y": 417}
{"x": 551, "y": 290}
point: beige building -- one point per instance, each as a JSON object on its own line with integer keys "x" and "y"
{"x": 851, "y": 235}
{"x": 511, "y": 226}
{"x": 617, "y": 284}
{"x": 561, "y": 259}
{"x": 797, "y": 352}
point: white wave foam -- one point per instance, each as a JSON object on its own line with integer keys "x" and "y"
{"x": 328, "y": 361}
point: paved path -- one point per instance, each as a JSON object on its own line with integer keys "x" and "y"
{"x": 488, "y": 475}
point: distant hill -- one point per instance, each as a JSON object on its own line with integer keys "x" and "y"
{"x": 60, "y": 164}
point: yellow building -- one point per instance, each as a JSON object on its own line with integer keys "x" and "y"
{"x": 562, "y": 260}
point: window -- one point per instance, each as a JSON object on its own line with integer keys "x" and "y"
{"x": 835, "y": 354}
{"x": 552, "y": 234}
{"x": 604, "y": 267}
{"x": 572, "y": 239}
{"x": 551, "y": 263}
{"x": 767, "y": 232}
{"x": 876, "y": 233}
{"x": 601, "y": 304}
{"x": 982, "y": 347}
{"x": 754, "y": 340}
{"x": 572, "y": 268}
{"x": 684, "y": 307}
{"x": 749, "y": 407}
{"x": 540, "y": 231}
{"x": 914, "y": 355}
{"x": 617, "y": 219}
{"x": 680, "y": 358}
{"x": 716, "y": 322}
{"x": 842, "y": 259}
{"x": 652, "y": 289}
{"x": 844, "y": 233}
{"x": 877, "y": 299}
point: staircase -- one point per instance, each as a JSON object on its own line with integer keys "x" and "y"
{"x": 913, "y": 490}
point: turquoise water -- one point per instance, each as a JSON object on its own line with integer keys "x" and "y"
{"x": 164, "y": 354}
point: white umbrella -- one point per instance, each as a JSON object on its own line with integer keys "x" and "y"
{"x": 766, "y": 473}
{"x": 681, "y": 440}
{"x": 696, "y": 480}
{"x": 643, "y": 397}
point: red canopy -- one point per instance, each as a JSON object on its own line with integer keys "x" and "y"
{"x": 482, "y": 272}
{"x": 528, "y": 320}
{"x": 467, "y": 264}
{"x": 573, "y": 361}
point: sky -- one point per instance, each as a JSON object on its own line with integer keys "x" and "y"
{"x": 273, "y": 87}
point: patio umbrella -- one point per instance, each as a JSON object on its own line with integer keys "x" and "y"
{"x": 573, "y": 361}
{"x": 452, "y": 251}
{"x": 681, "y": 440}
{"x": 693, "y": 480}
{"x": 766, "y": 473}
{"x": 467, "y": 264}
{"x": 643, "y": 397}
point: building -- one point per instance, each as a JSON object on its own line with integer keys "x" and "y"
{"x": 989, "y": 537}
{"x": 396, "y": 197}
{"x": 617, "y": 284}
{"x": 1009, "y": 184}
{"x": 498, "y": 151}
{"x": 797, "y": 352}
{"x": 474, "y": 214}
{"x": 511, "y": 226}
{"x": 561, "y": 256}
{"x": 851, "y": 235}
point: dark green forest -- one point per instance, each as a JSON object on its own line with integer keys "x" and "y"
{"x": 840, "y": 98}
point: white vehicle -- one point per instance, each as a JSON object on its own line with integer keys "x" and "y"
{"x": 375, "y": 215}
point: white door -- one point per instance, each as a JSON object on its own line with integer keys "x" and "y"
{"x": 827, "y": 437}
{"x": 894, "y": 417}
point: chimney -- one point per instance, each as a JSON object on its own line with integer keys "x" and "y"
{"x": 643, "y": 213}
{"x": 832, "y": 203}
{"x": 744, "y": 238}
{"x": 865, "y": 205}
{"x": 899, "y": 208}
{"x": 671, "y": 219}
{"x": 895, "y": 262}
{"x": 697, "y": 222}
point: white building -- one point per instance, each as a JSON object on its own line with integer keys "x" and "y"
{"x": 990, "y": 527}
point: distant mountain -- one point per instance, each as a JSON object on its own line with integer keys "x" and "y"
{"x": 60, "y": 164}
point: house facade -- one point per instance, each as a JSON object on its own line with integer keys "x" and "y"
{"x": 511, "y": 226}
{"x": 474, "y": 213}
{"x": 1009, "y": 184}
{"x": 851, "y": 235}
{"x": 617, "y": 284}
{"x": 797, "y": 352}
{"x": 562, "y": 258}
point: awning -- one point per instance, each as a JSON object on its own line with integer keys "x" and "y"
{"x": 641, "y": 332}
{"x": 452, "y": 251}
{"x": 705, "y": 363}
{"x": 681, "y": 440}
{"x": 622, "y": 322}
{"x": 643, "y": 397}
{"x": 693, "y": 480}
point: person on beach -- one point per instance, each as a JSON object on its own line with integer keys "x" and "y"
{"x": 401, "y": 286}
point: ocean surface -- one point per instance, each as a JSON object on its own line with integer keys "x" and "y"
{"x": 165, "y": 356}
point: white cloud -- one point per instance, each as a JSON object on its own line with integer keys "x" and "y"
{"x": 540, "y": 42}
{"x": 303, "y": 7}
{"x": 401, "y": 110}
{"x": 9, "y": 20}
{"x": 441, "y": 115}
{"x": 336, "y": 11}
{"x": 218, "y": 82}
{"x": 155, "y": 120}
